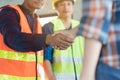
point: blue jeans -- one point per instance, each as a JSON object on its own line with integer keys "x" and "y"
{"x": 105, "y": 72}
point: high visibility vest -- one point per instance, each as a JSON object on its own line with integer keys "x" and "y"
{"x": 67, "y": 64}
{"x": 20, "y": 65}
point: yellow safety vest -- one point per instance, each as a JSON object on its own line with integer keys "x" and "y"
{"x": 67, "y": 64}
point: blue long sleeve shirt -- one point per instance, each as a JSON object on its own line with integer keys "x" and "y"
{"x": 11, "y": 31}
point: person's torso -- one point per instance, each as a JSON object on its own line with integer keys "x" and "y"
{"x": 110, "y": 53}
{"x": 67, "y": 64}
{"x": 20, "y": 65}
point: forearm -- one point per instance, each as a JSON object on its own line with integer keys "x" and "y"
{"x": 48, "y": 70}
{"x": 13, "y": 37}
{"x": 19, "y": 41}
{"x": 25, "y": 42}
{"x": 91, "y": 56}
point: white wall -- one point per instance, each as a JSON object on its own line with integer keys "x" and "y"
{"x": 77, "y": 12}
{"x": 6, "y": 2}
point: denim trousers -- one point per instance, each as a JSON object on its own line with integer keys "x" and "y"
{"x": 105, "y": 72}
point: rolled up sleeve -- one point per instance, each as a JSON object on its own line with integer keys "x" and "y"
{"x": 96, "y": 19}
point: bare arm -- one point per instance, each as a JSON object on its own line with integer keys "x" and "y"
{"x": 48, "y": 70}
{"x": 91, "y": 56}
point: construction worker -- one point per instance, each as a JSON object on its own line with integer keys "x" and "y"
{"x": 21, "y": 41}
{"x": 63, "y": 64}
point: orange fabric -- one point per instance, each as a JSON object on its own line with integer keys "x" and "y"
{"x": 25, "y": 28}
{"x": 18, "y": 69}
{"x": 14, "y": 67}
{"x": 24, "y": 22}
{"x": 2, "y": 44}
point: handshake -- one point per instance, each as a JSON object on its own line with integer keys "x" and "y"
{"x": 61, "y": 39}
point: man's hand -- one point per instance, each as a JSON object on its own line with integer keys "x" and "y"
{"x": 59, "y": 41}
{"x": 70, "y": 33}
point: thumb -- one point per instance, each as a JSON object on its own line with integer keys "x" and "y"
{"x": 57, "y": 32}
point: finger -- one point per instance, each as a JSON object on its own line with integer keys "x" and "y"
{"x": 54, "y": 47}
{"x": 62, "y": 48}
{"x": 63, "y": 44}
{"x": 58, "y": 48}
{"x": 65, "y": 41}
{"x": 57, "y": 32}
{"x": 67, "y": 38}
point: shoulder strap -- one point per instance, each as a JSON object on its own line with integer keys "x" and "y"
{"x": 7, "y": 8}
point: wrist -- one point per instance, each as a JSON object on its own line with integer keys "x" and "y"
{"x": 48, "y": 39}
{"x": 74, "y": 32}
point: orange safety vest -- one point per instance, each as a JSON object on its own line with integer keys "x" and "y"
{"x": 20, "y": 65}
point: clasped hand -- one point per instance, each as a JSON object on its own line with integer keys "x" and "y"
{"x": 60, "y": 40}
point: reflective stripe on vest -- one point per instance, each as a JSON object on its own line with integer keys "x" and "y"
{"x": 68, "y": 76}
{"x": 18, "y": 65}
{"x": 67, "y": 59}
{"x": 9, "y": 77}
{"x": 62, "y": 59}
